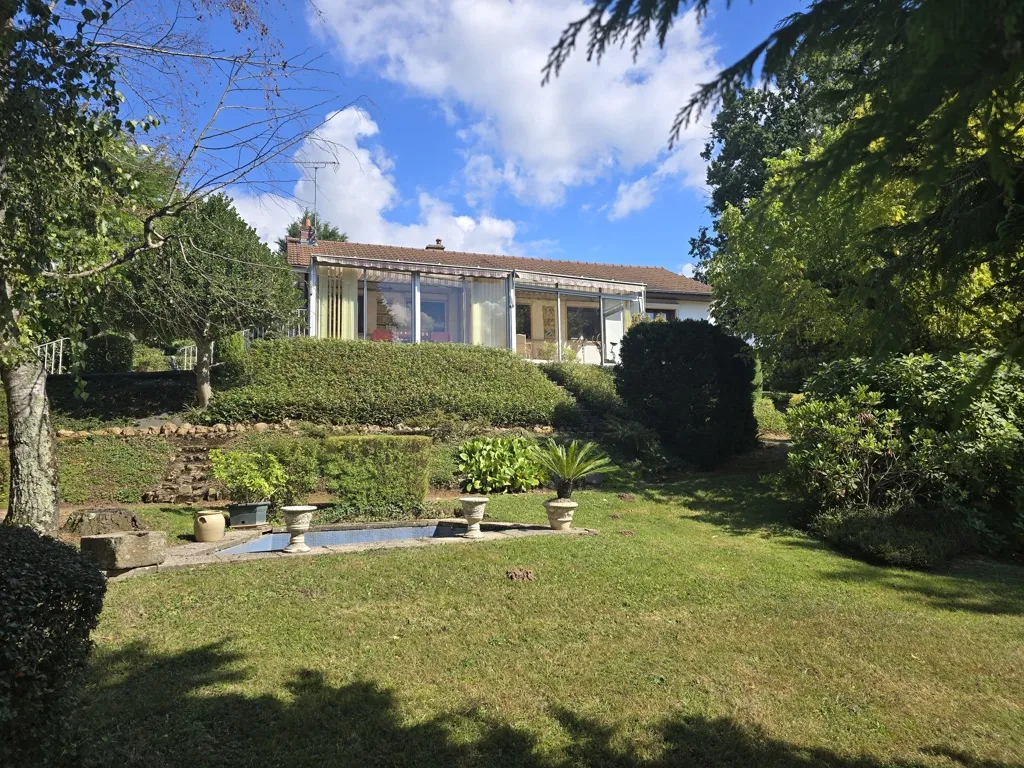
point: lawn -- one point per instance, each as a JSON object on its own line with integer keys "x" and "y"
{"x": 696, "y": 630}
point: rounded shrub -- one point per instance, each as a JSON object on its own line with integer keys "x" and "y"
{"x": 108, "y": 353}
{"x": 692, "y": 383}
{"x": 228, "y": 355}
{"x": 146, "y": 359}
{"x": 50, "y": 602}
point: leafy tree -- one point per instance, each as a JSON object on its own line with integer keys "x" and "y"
{"x": 216, "y": 280}
{"x": 71, "y": 207}
{"x": 804, "y": 280}
{"x": 324, "y": 230}
{"x": 939, "y": 91}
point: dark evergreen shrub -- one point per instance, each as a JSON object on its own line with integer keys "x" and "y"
{"x": 692, "y": 383}
{"x": 50, "y": 601}
{"x": 377, "y": 476}
{"x": 360, "y": 382}
{"x": 108, "y": 353}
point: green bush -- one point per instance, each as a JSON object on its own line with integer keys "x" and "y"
{"x": 691, "y": 382}
{"x": 358, "y": 382}
{"x": 768, "y": 418}
{"x": 229, "y": 360}
{"x": 893, "y": 536}
{"x": 968, "y": 452}
{"x": 593, "y": 386}
{"x": 249, "y": 477}
{"x": 377, "y": 476}
{"x": 499, "y": 465}
{"x": 145, "y": 359}
{"x": 444, "y": 465}
{"x": 50, "y": 602}
{"x": 300, "y": 459}
{"x": 108, "y": 353}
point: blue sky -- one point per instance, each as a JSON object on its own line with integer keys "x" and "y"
{"x": 455, "y": 138}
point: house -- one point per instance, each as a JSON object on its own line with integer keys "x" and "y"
{"x": 545, "y": 309}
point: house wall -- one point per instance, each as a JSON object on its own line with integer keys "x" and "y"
{"x": 685, "y": 309}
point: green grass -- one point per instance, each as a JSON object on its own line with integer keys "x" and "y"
{"x": 714, "y": 635}
{"x": 177, "y": 521}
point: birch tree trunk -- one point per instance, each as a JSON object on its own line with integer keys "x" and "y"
{"x": 204, "y": 362}
{"x": 34, "y": 493}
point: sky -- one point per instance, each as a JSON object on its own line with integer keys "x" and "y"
{"x": 452, "y": 136}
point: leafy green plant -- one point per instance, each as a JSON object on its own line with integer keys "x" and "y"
{"x": 248, "y": 477}
{"x": 570, "y": 465}
{"x": 50, "y": 602}
{"x": 299, "y": 458}
{"x": 146, "y": 359}
{"x": 768, "y": 418}
{"x": 499, "y": 465}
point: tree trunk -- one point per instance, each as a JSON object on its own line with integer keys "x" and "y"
{"x": 34, "y": 493}
{"x": 204, "y": 362}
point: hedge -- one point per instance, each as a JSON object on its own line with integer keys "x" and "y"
{"x": 50, "y": 602}
{"x": 358, "y": 382}
{"x": 592, "y": 385}
{"x": 380, "y": 476}
{"x": 692, "y": 383}
{"x": 108, "y": 353}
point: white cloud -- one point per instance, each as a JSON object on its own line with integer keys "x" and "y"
{"x": 631, "y": 197}
{"x": 487, "y": 55}
{"x": 358, "y": 194}
{"x": 687, "y": 269}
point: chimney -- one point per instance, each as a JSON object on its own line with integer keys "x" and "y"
{"x": 308, "y": 234}
{"x": 436, "y": 245}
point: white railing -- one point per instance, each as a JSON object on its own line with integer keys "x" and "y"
{"x": 297, "y": 327}
{"x": 52, "y": 354}
{"x": 185, "y": 358}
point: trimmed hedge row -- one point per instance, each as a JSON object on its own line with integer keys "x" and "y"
{"x": 592, "y": 385}
{"x": 356, "y": 382}
{"x": 383, "y": 476}
{"x": 50, "y": 602}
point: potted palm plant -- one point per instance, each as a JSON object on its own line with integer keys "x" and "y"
{"x": 568, "y": 466}
{"x": 251, "y": 480}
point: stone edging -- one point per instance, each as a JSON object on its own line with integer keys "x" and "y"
{"x": 200, "y": 555}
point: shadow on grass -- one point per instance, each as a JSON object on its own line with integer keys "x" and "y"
{"x": 740, "y": 504}
{"x": 148, "y": 709}
{"x": 975, "y": 586}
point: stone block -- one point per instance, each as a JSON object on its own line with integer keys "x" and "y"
{"x": 260, "y": 426}
{"x": 170, "y": 428}
{"x": 128, "y": 549}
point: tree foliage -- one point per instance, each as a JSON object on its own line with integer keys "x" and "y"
{"x": 938, "y": 89}
{"x": 324, "y": 230}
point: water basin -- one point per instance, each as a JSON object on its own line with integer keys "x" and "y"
{"x": 275, "y": 542}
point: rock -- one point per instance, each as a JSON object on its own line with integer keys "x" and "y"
{"x": 260, "y": 427}
{"x": 169, "y": 429}
{"x": 201, "y": 430}
{"x": 129, "y": 432}
{"x": 241, "y": 428}
{"x": 220, "y": 427}
{"x": 98, "y": 432}
{"x": 127, "y": 549}
{"x": 185, "y": 428}
{"x": 148, "y": 497}
{"x": 92, "y": 522}
{"x": 115, "y": 430}
{"x": 82, "y": 433}
{"x": 65, "y": 433}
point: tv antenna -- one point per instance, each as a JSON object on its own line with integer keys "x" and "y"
{"x": 316, "y": 165}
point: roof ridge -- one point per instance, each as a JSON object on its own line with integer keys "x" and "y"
{"x": 503, "y": 255}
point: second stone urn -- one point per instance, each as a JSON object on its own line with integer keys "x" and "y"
{"x": 473, "y": 508}
{"x": 296, "y": 520}
{"x": 560, "y": 512}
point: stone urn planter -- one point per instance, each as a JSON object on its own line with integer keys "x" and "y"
{"x": 473, "y": 508}
{"x": 249, "y": 514}
{"x": 208, "y": 525}
{"x": 296, "y": 520}
{"x": 560, "y": 512}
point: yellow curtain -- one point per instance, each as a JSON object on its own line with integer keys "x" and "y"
{"x": 338, "y": 303}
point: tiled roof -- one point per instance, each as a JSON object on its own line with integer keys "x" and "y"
{"x": 655, "y": 278}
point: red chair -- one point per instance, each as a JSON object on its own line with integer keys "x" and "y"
{"x": 382, "y": 334}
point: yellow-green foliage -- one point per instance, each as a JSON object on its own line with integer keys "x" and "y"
{"x": 769, "y": 419}
{"x": 359, "y": 382}
{"x": 378, "y": 476}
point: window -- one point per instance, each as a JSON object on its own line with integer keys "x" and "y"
{"x": 433, "y": 316}
{"x": 584, "y": 323}
{"x": 661, "y": 314}
{"x": 524, "y": 320}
